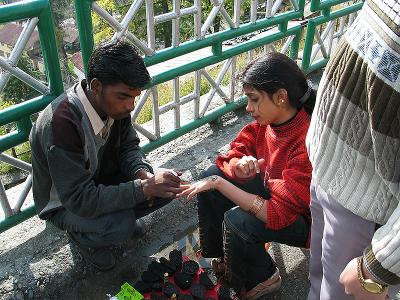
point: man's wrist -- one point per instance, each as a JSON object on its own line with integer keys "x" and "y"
{"x": 143, "y": 173}
{"x": 147, "y": 198}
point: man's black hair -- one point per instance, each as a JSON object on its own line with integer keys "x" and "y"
{"x": 116, "y": 62}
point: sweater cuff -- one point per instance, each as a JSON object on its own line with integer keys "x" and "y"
{"x": 138, "y": 195}
{"x": 375, "y": 268}
{"x": 140, "y": 167}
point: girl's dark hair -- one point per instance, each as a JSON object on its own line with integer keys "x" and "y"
{"x": 276, "y": 71}
{"x": 116, "y": 62}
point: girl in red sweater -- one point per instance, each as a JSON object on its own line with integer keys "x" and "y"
{"x": 260, "y": 190}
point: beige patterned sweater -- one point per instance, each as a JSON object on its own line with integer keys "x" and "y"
{"x": 354, "y": 136}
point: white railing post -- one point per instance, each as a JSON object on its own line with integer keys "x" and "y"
{"x": 151, "y": 39}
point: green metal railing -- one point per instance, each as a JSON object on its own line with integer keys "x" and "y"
{"x": 21, "y": 113}
{"x": 84, "y": 20}
{"x": 328, "y": 15}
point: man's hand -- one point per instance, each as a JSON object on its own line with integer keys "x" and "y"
{"x": 248, "y": 166}
{"x": 165, "y": 184}
{"x": 352, "y": 285}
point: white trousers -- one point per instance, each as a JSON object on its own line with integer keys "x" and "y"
{"x": 337, "y": 236}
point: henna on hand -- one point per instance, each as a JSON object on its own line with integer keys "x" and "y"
{"x": 212, "y": 179}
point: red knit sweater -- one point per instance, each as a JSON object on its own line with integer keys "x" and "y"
{"x": 287, "y": 168}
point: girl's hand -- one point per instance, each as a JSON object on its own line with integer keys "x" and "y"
{"x": 248, "y": 166}
{"x": 205, "y": 184}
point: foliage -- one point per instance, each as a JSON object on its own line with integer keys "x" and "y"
{"x": 61, "y": 9}
{"x": 101, "y": 30}
{"x": 4, "y": 104}
{"x": 70, "y": 65}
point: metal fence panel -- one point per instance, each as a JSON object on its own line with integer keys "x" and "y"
{"x": 39, "y": 14}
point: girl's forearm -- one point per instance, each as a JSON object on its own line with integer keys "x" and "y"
{"x": 241, "y": 198}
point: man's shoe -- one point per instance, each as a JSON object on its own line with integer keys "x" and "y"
{"x": 270, "y": 285}
{"x": 101, "y": 258}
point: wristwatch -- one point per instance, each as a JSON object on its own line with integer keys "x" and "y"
{"x": 368, "y": 284}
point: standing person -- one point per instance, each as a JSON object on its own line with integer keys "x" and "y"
{"x": 354, "y": 147}
{"x": 90, "y": 177}
{"x": 260, "y": 190}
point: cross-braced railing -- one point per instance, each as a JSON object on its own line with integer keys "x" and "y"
{"x": 38, "y": 15}
{"x": 324, "y": 31}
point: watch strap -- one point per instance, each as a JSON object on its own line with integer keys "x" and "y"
{"x": 377, "y": 270}
{"x": 365, "y": 283}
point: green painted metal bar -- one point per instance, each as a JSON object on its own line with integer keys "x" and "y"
{"x": 311, "y": 27}
{"x": 16, "y": 137}
{"x": 210, "y": 60}
{"x": 18, "y": 111}
{"x": 314, "y": 6}
{"x": 48, "y": 45}
{"x": 302, "y": 4}
{"x": 326, "y": 12}
{"x": 12, "y": 139}
{"x": 83, "y": 12}
{"x": 13, "y": 220}
{"x": 25, "y": 125}
{"x": 22, "y": 10}
{"x": 294, "y": 47}
{"x": 222, "y": 36}
{"x": 317, "y": 5}
{"x": 338, "y": 13}
{"x": 213, "y": 115}
{"x": 309, "y": 43}
{"x": 317, "y": 65}
{"x": 283, "y": 26}
{"x": 217, "y": 49}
